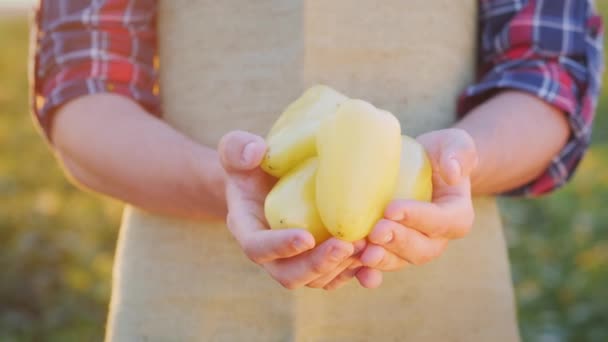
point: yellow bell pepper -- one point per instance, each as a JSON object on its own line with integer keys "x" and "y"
{"x": 415, "y": 173}
{"x": 291, "y": 203}
{"x": 359, "y": 150}
{"x": 291, "y": 140}
{"x": 340, "y": 162}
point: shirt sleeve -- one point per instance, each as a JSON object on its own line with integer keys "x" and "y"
{"x": 88, "y": 47}
{"x": 551, "y": 49}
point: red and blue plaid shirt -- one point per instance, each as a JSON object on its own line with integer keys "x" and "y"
{"x": 549, "y": 48}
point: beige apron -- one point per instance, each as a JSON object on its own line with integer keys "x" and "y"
{"x": 234, "y": 64}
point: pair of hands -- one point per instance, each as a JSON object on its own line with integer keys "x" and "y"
{"x": 411, "y": 232}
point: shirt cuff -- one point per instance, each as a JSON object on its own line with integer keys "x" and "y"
{"x": 48, "y": 102}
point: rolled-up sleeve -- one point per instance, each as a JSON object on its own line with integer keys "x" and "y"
{"x": 551, "y": 49}
{"x": 88, "y": 47}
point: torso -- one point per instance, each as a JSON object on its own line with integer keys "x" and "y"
{"x": 235, "y": 65}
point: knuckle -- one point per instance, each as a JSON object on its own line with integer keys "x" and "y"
{"x": 317, "y": 266}
{"x": 430, "y": 255}
{"x": 396, "y": 265}
{"x": 338, "y": 282}
{"x": 416, "y": 261}
{"x": 316, "y": 285}
{"x": 254, "y": 258}
{"x": 412, "y": 219}
{"x": 438, "y": 232}
{"x": 251, "y": 252}
{"x": 289, "y": 249}
{"x": 402, "y": 240}
{"x": 384, "y": 263}
{"x": 343, "y": 278}
{"x": 466, "y": 225}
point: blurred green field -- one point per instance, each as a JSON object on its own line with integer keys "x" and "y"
{"x": 57, "y": 242}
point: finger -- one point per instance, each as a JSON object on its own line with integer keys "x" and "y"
{"x": 302, "y": 269}
{"x": 343, "y": 278}
{"x": 405, "y": 244}
{"x": 458, "y": 157}
{"x": 325, "y": 279}
{"x": 247, "y": 224}
{"x": 349, "y": 263}
{"x": 369, "y": 277}
{"x": 246, "y": 188}
{"x": 379, "y": 258}
{"x": 241, "y": 151}
{"x": 270, "y": 245}
{"x": 451, "y": 219}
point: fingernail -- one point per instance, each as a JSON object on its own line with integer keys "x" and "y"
{"x": 248, "y": 153}
{"x": 338, "y": 253}
{"x": 387, "y": 238}
{"x": 400, "y": 216}
{"x": 455, "y": 165}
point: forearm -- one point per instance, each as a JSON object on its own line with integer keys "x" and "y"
{"x": 109, "y": 144}
{"x": 517, "y": 135}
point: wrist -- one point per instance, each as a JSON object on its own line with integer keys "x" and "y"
{"x": 207, "y": 189}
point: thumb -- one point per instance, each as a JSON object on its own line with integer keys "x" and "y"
{"x": 241, "y": 151}
{"x": 458, "y": 157}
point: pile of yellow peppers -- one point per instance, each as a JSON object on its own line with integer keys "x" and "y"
{"x": 340, "y": 161}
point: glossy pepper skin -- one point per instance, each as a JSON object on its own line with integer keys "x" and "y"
{"x": 292, "y": 139}
{"x": 346, "y": 160}
{"x": 415, "y": 180}
{"x": 292, "y": 202}
{"x": 359, "y": 151}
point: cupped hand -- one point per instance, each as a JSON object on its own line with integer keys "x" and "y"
{"x": 413, "y": 232}
{"x": 288, "y": 255}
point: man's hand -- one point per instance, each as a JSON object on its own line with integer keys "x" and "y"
{"x": 415, "y": 232}
{"x": 288, "y": 255}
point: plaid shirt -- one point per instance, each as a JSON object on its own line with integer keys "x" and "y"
{"x": 549, "y": 48}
